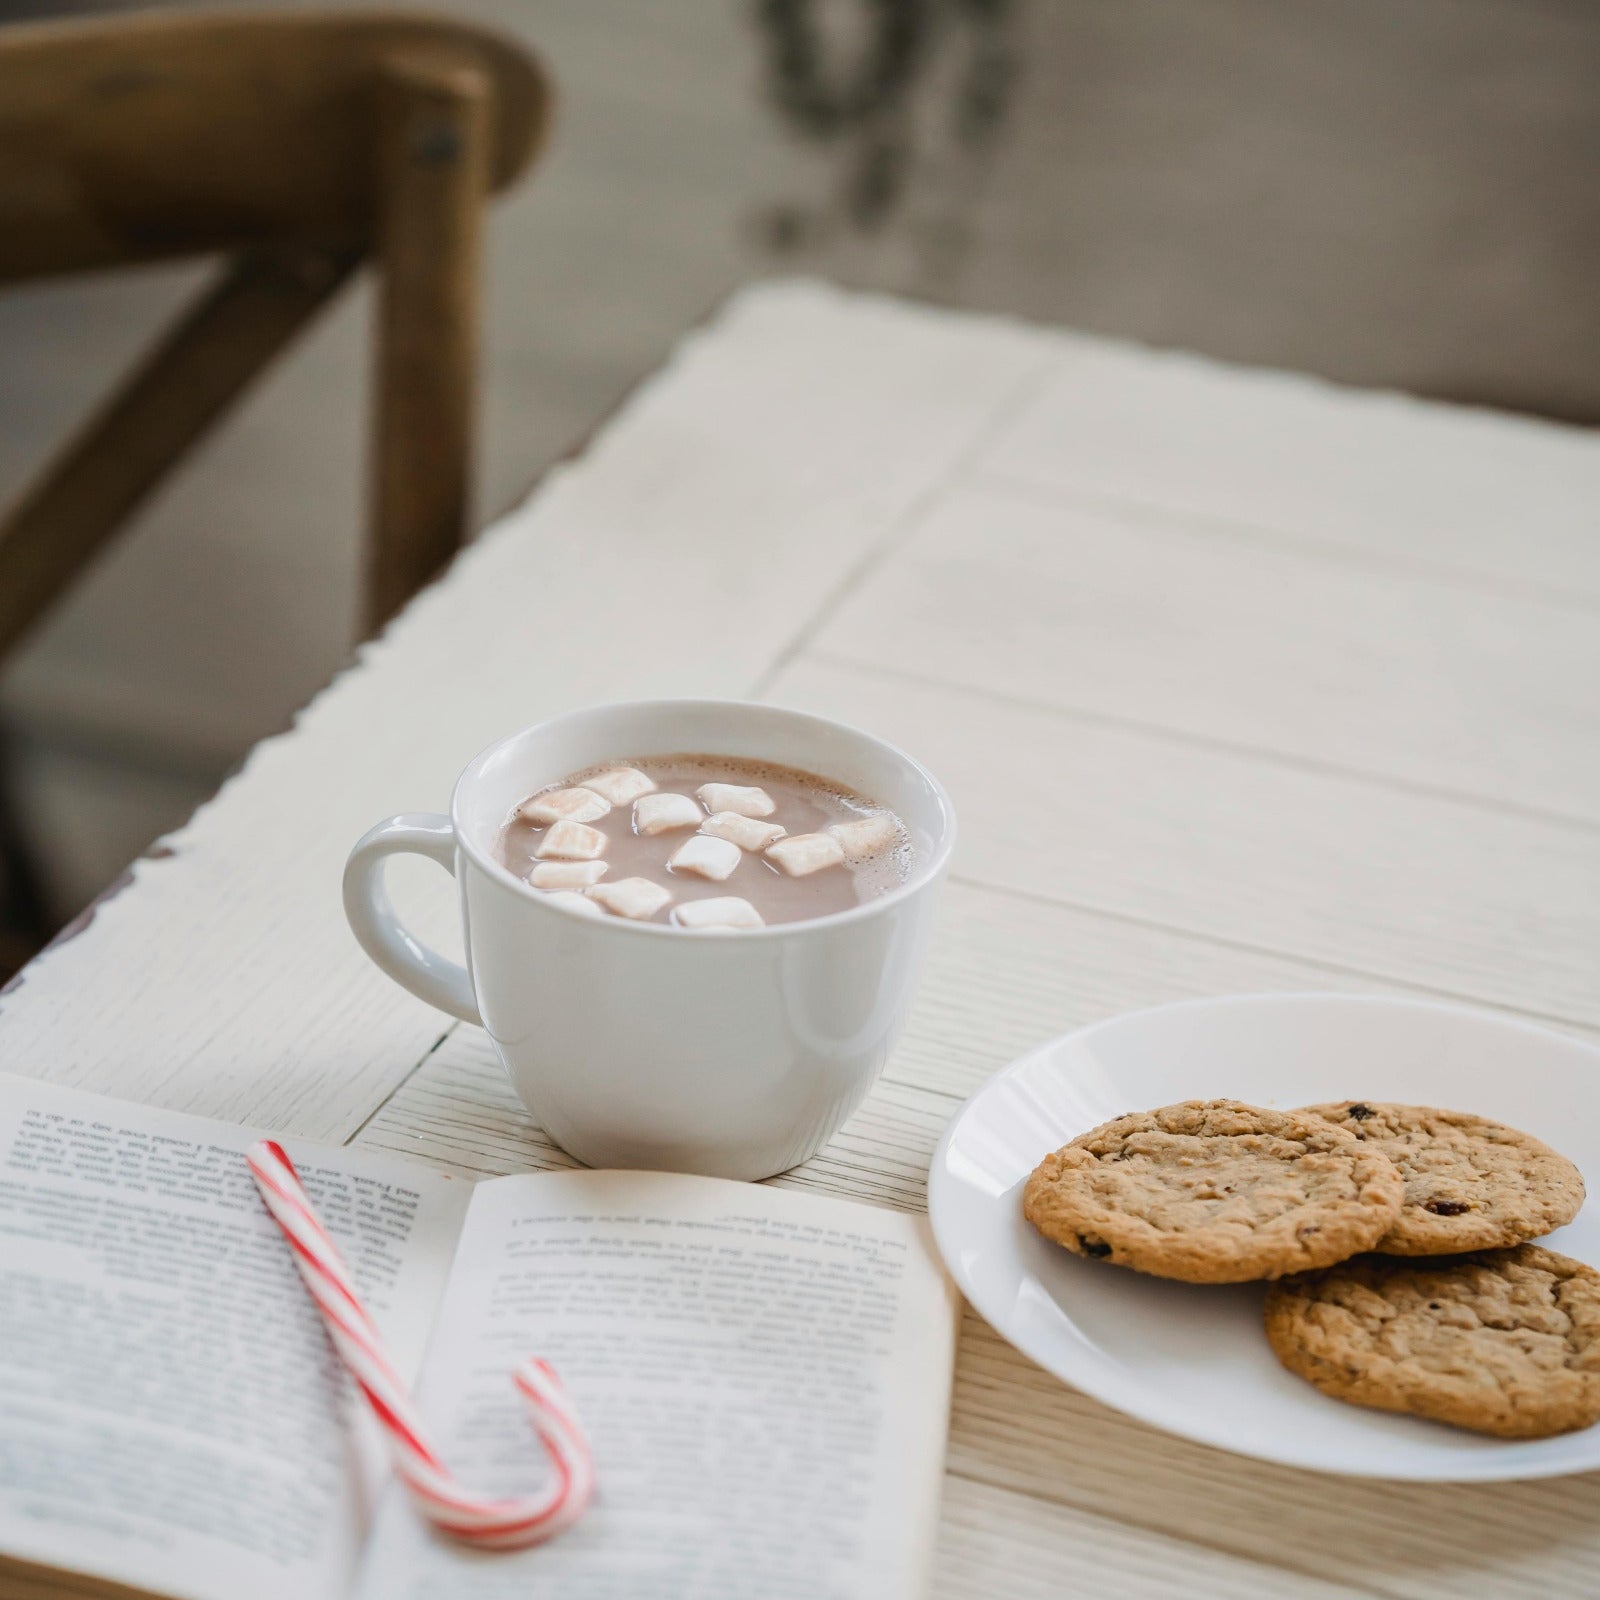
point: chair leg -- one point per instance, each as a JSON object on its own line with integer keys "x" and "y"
{"x": 26, "y": 923}
{"x": 434, "y": 174}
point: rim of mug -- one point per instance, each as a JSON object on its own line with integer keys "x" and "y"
{"x": 926, "y": 872}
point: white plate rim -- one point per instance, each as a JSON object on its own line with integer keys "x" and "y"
{"x": 1130, "y": 1401}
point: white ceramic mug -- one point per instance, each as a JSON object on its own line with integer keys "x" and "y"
{"x": 640, "y": 1045}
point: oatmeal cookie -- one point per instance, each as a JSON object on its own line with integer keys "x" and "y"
{"x": 1502, "y": 1341}
{"x": 1215, "y": 1191}
{"x": 1471, "y": 1184}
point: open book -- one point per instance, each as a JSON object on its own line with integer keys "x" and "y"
{"x": 764, "y": 1375}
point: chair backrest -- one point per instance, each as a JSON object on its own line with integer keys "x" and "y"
{"x": 298, "y": 144}
{"x": 163, "y": 134}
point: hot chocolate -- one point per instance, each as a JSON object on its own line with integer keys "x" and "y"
{"x": 704, "y": 843}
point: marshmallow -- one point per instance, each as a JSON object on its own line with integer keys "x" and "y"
{"x": 636, "y": 898}
{"x": 805, "y": 853}
{"x": 746, "y": 832}
{"x": 563, "y": 805}
{"x": 727, "y": 911}
{"x": 711, "y": 858}
{"x": 657, "y": 813}
{"x": 620, "y": 785}
{"x": 567, "y": 874}
{"x": 866, "y": 836}
{"x": 733, "y": 797}
{"x": 568, "y": 900}
{"x": 571, "y": 841}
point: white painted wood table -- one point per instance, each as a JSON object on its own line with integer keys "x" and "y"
{"x": 1239, "y": 681}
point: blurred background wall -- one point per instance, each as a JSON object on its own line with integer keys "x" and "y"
{"x": 1389, "y": 192}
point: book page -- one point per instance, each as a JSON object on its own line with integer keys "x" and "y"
{"x": 765, "y": 1377}
{"x": 172, "y": 1415}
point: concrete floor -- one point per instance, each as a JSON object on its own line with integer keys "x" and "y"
{"x": 1400, "y": 195}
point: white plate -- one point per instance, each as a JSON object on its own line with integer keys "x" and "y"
{"x": 1191, "y": 1359}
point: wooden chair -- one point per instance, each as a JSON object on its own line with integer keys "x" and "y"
{"x": 296, "y": 146}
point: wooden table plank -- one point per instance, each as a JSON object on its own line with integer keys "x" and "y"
{"x": 1365, "y": 879}
{"x": 1006, "y": 972}
{"x": 1016, "y": 1426}
{"x": 1379, "y": 477}
{"x": 1160, "y": 622}
{"x": 997, "y": 1542}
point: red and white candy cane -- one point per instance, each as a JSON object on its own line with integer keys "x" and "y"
{"x": 486, "y": 1521}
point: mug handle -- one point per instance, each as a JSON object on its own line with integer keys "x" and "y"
{"x": 427, "y": 974}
